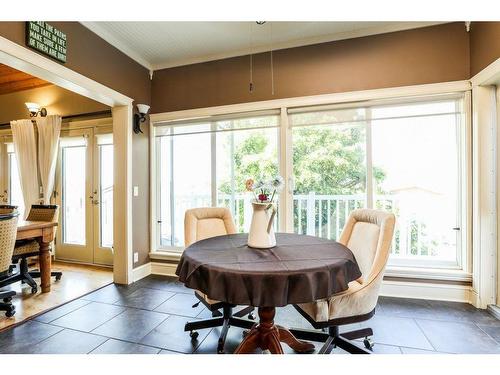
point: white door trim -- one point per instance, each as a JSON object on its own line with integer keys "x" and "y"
{"x": 21, "y": 58}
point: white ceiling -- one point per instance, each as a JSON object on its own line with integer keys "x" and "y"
{"x": 158, "y": 45}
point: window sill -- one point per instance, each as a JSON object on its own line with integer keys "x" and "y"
{"x": 437, "y": 274}
{"x": 397, "y": 272}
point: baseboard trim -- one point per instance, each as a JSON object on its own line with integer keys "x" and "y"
{"x": 427, "y": 290}
{"x": 141, "y": 272}
{"x": 165, "y": 269}
{"x": 494, "y": 310}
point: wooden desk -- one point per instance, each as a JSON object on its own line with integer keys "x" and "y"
{"x": 43, "y": 232}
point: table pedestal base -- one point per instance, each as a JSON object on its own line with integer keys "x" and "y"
{"x": 268, "y": 336}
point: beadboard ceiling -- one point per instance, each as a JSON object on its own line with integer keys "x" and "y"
{"x": 158, "y": 45}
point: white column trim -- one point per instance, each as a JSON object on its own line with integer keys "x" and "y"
{"x": 28, "y": 61}
{"x": 484, "y": 195}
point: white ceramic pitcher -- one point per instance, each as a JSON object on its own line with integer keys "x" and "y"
{"x": 261, "y": 235}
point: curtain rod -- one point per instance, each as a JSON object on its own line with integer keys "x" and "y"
{"x": 71, "y": 117}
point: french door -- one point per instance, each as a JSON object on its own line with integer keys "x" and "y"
{"x": 84, "y": 193}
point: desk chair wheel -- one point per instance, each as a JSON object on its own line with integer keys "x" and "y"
{"x": 220, "y": 351}
{"x": 194, "y": 335}
{"x": 368, "y": 343}
{"x": 34, "y": 289}
{"x": 251, "y": 316}
{"x": 10, "y": 313}
{"x": 245, "y": 332}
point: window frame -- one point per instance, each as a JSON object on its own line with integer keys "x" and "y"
{"x": 392, "y": 95}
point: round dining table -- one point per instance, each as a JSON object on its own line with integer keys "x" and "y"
{"x": 299, "y": 269}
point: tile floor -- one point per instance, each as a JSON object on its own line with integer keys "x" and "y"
{"x": 148, "y": 317}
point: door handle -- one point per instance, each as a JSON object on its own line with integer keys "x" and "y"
{"x": 456, "y": 228}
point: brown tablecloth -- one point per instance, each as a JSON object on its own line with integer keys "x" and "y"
{"x": 299, "y": 269}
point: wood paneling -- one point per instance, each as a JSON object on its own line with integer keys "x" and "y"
{"x": 12, "y": 80}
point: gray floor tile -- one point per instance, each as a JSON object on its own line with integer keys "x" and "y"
{"x": 493, "y": 331}
{"x": 209, "y": 344}
{"x": 110, "y": 293}
{"x": 89, "y": 317}
{"x": 145, "y": 298}
{"x": 113, "y": 346}
{"x": 397, "y": 331}
{"x": 204, "y": 314}
{"x": 163, "y": 351}
{"x": 170, "y": 335}
{"x": 19, "y": 339}
{"x": 61, "y": 311}
{"x": 453, "y": 337}
{"x": 404, "y": 307}
{"x": 131, "y": 325}
{"x": 289, "y": 317}
{"x": 170, "y": 284}
{"x": 461, "y": 312}
{"x": 68, "y": 342}
{"x": 181, "y": 304}
{"x": 418, "y": 351}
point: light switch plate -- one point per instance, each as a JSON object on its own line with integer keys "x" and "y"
{"x": 136, "y": 191}
{"x": 136, "y": 257}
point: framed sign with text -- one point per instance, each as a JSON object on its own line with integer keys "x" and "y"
{"x": 46, "y": 39}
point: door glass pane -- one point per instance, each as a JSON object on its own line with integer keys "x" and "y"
{"x": 186, "y": 172}
{"x": 15, "y": 192}
{"x": 241, "y": 155}
{"x": 417, "y": 164}
{"x": 106, "y": 195}
{"x": 329, "y": 168}
{"x": 73, "y": 194}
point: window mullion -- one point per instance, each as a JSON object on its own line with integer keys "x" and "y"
{"x": 213, "y": 163}
{"x": 369, "y": 160}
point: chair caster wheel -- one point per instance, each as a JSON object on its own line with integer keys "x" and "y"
{"x": 220, "y": 351}
{"x": 251, "y": 316}
{"x": 194, "y": 335}
{"x": 58, "y": 277}
{"x": 7, "y": 300}
{"x": 34, "y": 289}
{"x": 10, "y": 313}
{"x": 245, "y": 333}
{"x": 368, "y": 343}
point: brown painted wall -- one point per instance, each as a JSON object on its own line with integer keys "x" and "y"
{"x": 93, "y": 57}
{"x": 54, "y": 98}
{"x": 484, "y": 45}
{"x": 426, "y": 55}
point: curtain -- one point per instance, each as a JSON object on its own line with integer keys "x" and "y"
{"x": 49, "y": 129}
{"x": 23, "y": 134}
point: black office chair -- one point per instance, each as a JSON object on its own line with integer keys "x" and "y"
{"x": 30, "y": 248}
{"x": 8, "y": 233}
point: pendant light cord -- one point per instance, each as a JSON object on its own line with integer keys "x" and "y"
{"x": 272, "y": 63}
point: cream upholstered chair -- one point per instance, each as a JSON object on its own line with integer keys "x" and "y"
{"x": 199, "y": 224}
{"x": 30, "y": 248}
{"x": 8, "y": 232}
{"x": 368, "y": 234}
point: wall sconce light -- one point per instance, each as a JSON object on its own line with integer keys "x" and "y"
{"x": 35, "y": 109}
{"x": 140, "y": 117}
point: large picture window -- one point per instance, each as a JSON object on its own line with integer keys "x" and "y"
{"x": 405, "y": 156}
{"x": 205, "y": 163}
